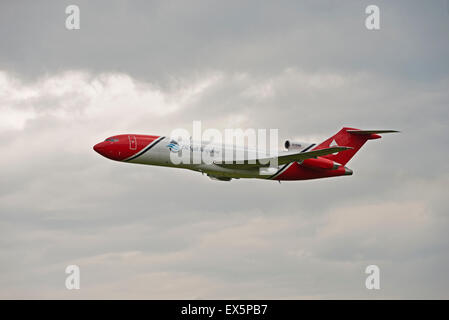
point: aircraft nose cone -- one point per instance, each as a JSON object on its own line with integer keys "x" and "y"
{"x": 99, "y": 147}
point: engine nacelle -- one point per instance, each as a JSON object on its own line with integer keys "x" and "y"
{"x": 291, "y": 145}
{"x": 320, "y": 163}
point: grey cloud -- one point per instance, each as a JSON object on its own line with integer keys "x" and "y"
{"x": 155, "y": 40}
{"x": 306, "y": 68}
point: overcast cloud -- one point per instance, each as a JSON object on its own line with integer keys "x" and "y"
{"x": 305, "y": 67}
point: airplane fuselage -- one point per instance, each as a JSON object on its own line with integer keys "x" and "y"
{"x": 161, "y": 150}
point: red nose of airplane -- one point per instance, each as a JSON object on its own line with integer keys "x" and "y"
{"x": 100, "y": 148}
{"x": 117, "y": 148}
{"x": 124, "y": 147}
{"x": 107, "y": 150}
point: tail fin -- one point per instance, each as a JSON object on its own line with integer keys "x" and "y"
{"x": 349, "y": 137}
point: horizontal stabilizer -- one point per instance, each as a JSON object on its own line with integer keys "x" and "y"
{"x": 361, "y": 132}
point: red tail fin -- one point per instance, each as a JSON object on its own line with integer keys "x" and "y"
{"x": 349, "y": 137}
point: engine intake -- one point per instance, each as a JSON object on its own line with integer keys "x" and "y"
{"x": 291, "y": 145}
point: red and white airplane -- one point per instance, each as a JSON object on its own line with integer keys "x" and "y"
{"x": 301, "y": 161}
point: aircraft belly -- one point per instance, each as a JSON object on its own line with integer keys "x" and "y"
{"x": 235, "y": 173}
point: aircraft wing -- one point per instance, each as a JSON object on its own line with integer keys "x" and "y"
{"x": 282, "y": 158}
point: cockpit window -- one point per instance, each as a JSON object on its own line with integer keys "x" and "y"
{"x": 111, "y": 139}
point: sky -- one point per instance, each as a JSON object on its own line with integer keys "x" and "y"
{"x": 306, "y": 68}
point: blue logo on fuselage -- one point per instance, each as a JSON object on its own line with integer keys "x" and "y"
{"x": 173, "y": 146}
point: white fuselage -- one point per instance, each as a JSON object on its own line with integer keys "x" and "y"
{"x": 203, "y": 158}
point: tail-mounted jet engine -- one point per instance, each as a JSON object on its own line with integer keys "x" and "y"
{"x": 320, "y": 163}
{"x": 313, "y": 163}
{"x": 291, "y": 145}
